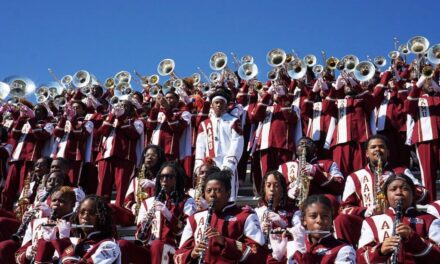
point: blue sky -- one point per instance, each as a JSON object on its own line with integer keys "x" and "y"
{"x": 105, "y": 37}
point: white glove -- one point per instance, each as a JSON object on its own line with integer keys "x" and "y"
{"x": 293, "y": 191}
{"x": 317, "y": 86}
{"x": 64, "y": 228}
{"x": 49, "y": 233}
{"x": 340, "y": 82}
{"x": 353, "y": 83}
{"x": 370, "y": 210}
{"x": 45, "y": 210}
{"x": 276, "y": 218}
{"x": 271, "y": 90}
{"x": 133, "y": 209}
{"x": 421, "y": 81}
{"x": 309, "y": 169}
{"x": 29, "y": 252}
{"x": 119, "y": 111}
{"x": 237, "y": 111}
{"x": 159, "y": 206}
{"x": 279, "y": 246}
{"x": 146, "y": 183}
{"x": 298, "y": 233}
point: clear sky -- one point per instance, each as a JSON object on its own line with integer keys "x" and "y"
{"x": 105, "y": 37}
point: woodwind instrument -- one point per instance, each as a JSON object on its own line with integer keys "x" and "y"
{"x": 140, "y": 194}
{"x": 380, "y": 196}
{"x": 205, "y": 228}
{"x": 266, "y": 219}
{"x": 17, "y": 237}
{"x": 303, "y": 181}
{"x": 398, "y": 220}
{"x": 199, "y": 192}
{"x": 143, "y": 236}
{"x": 23, "y": 203}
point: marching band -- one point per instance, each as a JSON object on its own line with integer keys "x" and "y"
{"x": 335, "y": 153}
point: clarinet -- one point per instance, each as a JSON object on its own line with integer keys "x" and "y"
{"x": 146, "y": 225}
{"x": 396, "y": 222}
{"x": 17, "y": 237}
{"x": 269, "y": 209}
{"x": 205, "y": 239}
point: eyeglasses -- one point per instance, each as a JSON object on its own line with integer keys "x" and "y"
{"x": 167, "y": 176}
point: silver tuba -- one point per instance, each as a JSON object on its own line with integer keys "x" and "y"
{"x": 310, "y": 60}
{"x": 296, "y": 69}
{"x": 276, "y": 57}
{"x": 81, "y": 79}
{"x": 350, "y": 62}
{"x": 418, "y": 45}
{"x": 166, "y": 67}
{"x": 20, "y": 86}
{"x": 67, "y": 81}
{"x": 393, "y": 54}
{"x": 380, "y": 61}
{"x": 248, "y": 71}
{"x": 218, "y": 61}
{"x": 122, "y": 77}
{"x": 434, "y": 54}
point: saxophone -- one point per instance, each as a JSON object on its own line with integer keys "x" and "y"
{"x": 303, "y": 181}
{"x": 199, "y": 192}
{"x": 140, "y": 194}
{"x": 23, "y": 203}
{"x": 380, "y": 196}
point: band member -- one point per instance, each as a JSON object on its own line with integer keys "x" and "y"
{"x": 32, "y": 132}
{"x": 92, "y": 243}
{"x": 401, "y": 232}
{"x": 220, "y": 138}
{"x": 361, "y": 197}
{"x": 121, "y": 151}
{"x": 325, "y": 174}
{"x": 62, "y": 203}
{"x": 274, "y": 211}
{"x": 154, "y": 157}
{"x": 198, "y": 192}
{"x": 74, "y": 140}
{"x": 231, "y": 235}
{"x": 275, "y": 136}
{"x": 161, "y": 218}
{"x": 312, "y": 237}
{"x": 5, "y": 153}
{"x": 423, "y": 104}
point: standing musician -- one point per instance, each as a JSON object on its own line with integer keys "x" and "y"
{"x": 74, "y": 140}
{"x": 62, "y": 203}
{"x": 92, "y": 241}
{"x": 220, "y": 138}
{"x": 161, "y": 218}
{"x": 231, "y": 235}
{"x": 361, "y": 197}
{"x": 423, "y": 105}
{"x": 401, "y": 233}
{"x": 120, "y": 152}
{"x": 32, "y": 133}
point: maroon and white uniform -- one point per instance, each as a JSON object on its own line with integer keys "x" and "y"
{"x": 220, "y": 138}
{"x": 5, "y": 153}
{"x": 421, "y": 247}
{"x": 240, "y": 229}
{"x": 33, "y": 142}
{"x": 327, "y": 178}
{"x": 74, "y": 143}
{"x": 350, "y": 127}
{"x": 425, "y": 110}
{"x": 121, "y": 150}
{"x": 165, "y": 233}
{"x": 434, "y": 209}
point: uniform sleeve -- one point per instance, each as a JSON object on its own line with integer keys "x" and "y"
{"x": 235, "y": 147}
{"x": 350, "y": 201}
{"x": 107, "y": 253}
{"x": 368, "y": 249}
{"x": 200, "y": 148}
{"x": 425, "y": 250}
{"x": 331, "y": 181}
{"x": 346, "y": 255}
{"x": 183, "y": 254}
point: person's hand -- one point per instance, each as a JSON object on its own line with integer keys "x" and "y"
{"x": 146, "y": 183}
{"x": 211, "y": 232}
{"x": 279, "y": 246}
{"x": 44, "y": 208}
{"x": 404, "y": 231}
{"x": 30, "y": 252}
{"x": 340, "y": 82}
{"x": 161, "y": 207}
{"x": 202, "y": 203}
{"x": 372, "y": 210}
{"x": 293, "y": 191}
{"x": 198, "y": 249}
{"x": 164, "y": 103}
{"x": 64, "y": 228}
{"x": 276, "y": 218}
{"x": 389, "y": 245}
{"x": 49, "y": 233}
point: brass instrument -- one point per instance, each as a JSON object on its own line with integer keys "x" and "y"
{"x": 380, "y": 196}
{"x": 122, "y": 77}
{"x": 272, "y": 75}
{"x": 166, "y": 67}
{"x": 199, "y": 192}
{"x": 434, "y": 54}
{"x": 215, "y": 77}
{"x": 428, "y": 71}
{"x": 380, "y": 61}
{"x": 393, "y": 54}
{"x": 218, "y": 62}
{"x": 66, "y": 81}
{"x": 23, "y": 203}
{"x": 20, "y": 86}
{"x": 364, "y": 71}
{"x": 140, "y": 194}
{"x": 350, "y": 62}
{"x": 403, "y": 49}
{"x": 109, "y": 83}
{"x": 418, "y": 45}
{"x": 60, "y": 101}
{"x": 201, "y": 259}
{"x": 248, "y": 71}
{"x": 196, "y": 78}
{"x": 318, "y": 69}
{"x": 296, "y": 69}
{"x": 247, "y": 59}
{"x": 398, "y": 220}
{"x": 4, "y": 90}
{"x": 303, "y": 181}
{"x": 143, "y": 236}
{"x": 310, "y": 60}
{"x": 81, "y": 79}
{"x": 331, "y": 63}
{"x": 256, "y": 85}
{"x": 276, "y": 57}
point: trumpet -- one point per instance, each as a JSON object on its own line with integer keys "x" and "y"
{"x": 318, "y": 69}
{"x": 247, "y": 59}
{"x": 154, "y": 91}
{"x": 257, "y": 85}
{"x": 310, "y": 60}
{"x": 196, "y": 78}
{"x": 403, "y": 49}
{"x": 218, "y": 61}
{"x": 60, "y": 101}
{"x": 272, "y": 75}
{"x": 42, "y": 94}
{"x": 81, "y": 79}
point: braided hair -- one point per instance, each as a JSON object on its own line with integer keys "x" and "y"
{"x": 104, "y": 216}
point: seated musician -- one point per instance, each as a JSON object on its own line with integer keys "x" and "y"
{"x": 312, "y": 238}
{"x": 92, "y": 240}
{"x": 224, "y": 233}
{"x": 62, "y": 203}
{"x": 401, "y": 233}
{"x": 197, "y": 193}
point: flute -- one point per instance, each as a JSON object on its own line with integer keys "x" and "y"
{"x": 307, "y": 232}
{"x": 71, "y": 226}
